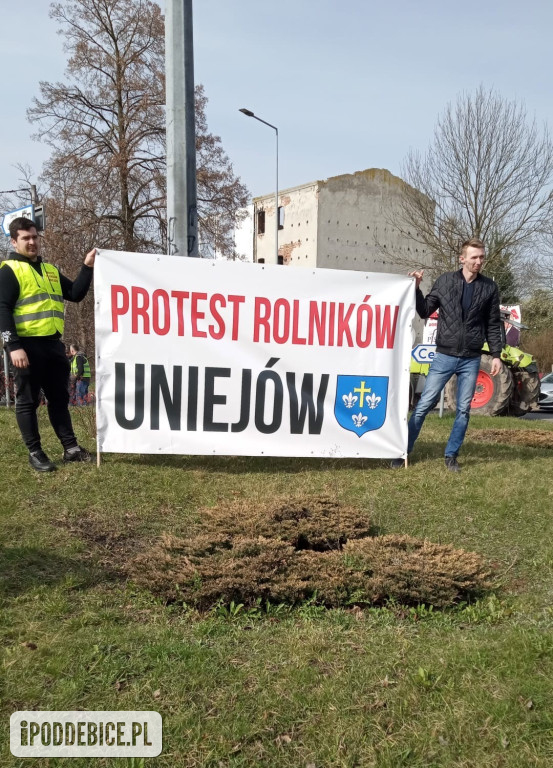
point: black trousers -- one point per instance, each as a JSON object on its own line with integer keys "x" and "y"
{"x": 48, "y": 370}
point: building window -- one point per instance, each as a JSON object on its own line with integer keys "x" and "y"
{"x": 261, "y": 261}
{"x": 281, "y": 217}
{"x": 281, "y": 259}
{"x": 261, "y": 222}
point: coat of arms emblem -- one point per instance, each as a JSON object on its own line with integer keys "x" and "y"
{"x": 361, "y": 403}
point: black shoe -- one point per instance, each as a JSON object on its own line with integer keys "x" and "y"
{"x": 40, "y": 461}
{"x": 397, "y": 463}
{"x": 451, "y": 464}
{"x": 78, "y": 453}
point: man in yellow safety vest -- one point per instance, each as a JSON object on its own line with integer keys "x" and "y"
{"x": 31, "y": 325}
{"x": 80, "y": 374}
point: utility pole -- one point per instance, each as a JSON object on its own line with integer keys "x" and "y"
{"x": 182, "y": 203}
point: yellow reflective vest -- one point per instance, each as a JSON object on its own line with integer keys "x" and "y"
{"x": 86, "y": 366}
{"x": 39, "y": 308}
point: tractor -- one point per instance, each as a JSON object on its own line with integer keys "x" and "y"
{"x": 514, "y": 391}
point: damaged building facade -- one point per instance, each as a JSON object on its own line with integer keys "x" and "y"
{"x": 344, "y": 222}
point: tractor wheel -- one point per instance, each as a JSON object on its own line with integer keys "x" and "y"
{"x": 492, "y": 394}
{"x": 526, "y": 392}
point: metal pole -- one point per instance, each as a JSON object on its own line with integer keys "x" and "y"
{"x": 7, "y": 376}
{"x": 276, "y": 200}
{"x": 249, "y": 113}
{"x": 182, "y": 205}
{"x": 190, "y": 115}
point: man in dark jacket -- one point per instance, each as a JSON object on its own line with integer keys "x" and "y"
{"x": 32, "y": 293}
{"x": 468, "y": 316}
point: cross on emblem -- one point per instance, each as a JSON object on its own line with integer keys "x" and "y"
{"x": 362, "y": 392}
{"x": 370, "y": 412}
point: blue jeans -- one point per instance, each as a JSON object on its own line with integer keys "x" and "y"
{"x": 81, "y": 391}
{"x": 442, "y": 369}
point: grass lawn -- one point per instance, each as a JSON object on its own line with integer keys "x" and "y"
{"x": 309, "y": 688}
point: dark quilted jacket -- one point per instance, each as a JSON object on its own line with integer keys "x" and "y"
{"x": 455, "y": 337}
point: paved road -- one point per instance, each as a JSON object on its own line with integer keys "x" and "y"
{"x": 539, "y": 416}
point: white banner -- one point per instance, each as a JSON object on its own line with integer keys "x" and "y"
{"x": 226, "y": 358}
{"x": 512, "y": 333}
{"x": 430, "y": 329}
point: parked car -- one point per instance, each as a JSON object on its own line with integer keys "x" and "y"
{"x": 546, "y": 392}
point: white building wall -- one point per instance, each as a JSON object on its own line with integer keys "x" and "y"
{"x": 344, "y": 222}
{"x": 297, "y": 239}
{"x": 355, "y": 223}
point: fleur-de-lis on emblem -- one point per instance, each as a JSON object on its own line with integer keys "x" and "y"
{"x": 372, "y": 400}
{"x": 358, "y": 419}
{"x": 349, "y": 400}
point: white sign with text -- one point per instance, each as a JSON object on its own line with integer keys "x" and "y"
{"x": 213, "y": 357}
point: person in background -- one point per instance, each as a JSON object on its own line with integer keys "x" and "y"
{"x": 32, "y": 294}
{"x": 80, "y": 374}
{"x": 72, "y": 382}
{"x": 469, "y": 316}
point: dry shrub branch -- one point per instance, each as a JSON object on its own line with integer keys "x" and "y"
{"x": 535, "y": 438}
{"x": 289, "y": 553}
{"x": 318, "y": 524}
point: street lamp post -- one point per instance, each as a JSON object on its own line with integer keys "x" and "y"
{"x": 249, "y": 113}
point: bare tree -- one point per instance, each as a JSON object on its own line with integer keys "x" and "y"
{"x": 106, "y": 127}
{"x": 105, "y": 182}
{"x": 487, "y": 174}
{"x": 222, "y": 197}
{"x": 540, "y": 276}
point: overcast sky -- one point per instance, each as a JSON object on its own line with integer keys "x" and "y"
{"x": 351, "y": 84}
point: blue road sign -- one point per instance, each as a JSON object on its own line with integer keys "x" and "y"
{"x": 423, "y": 353}
{"x": 28, "y": 212}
